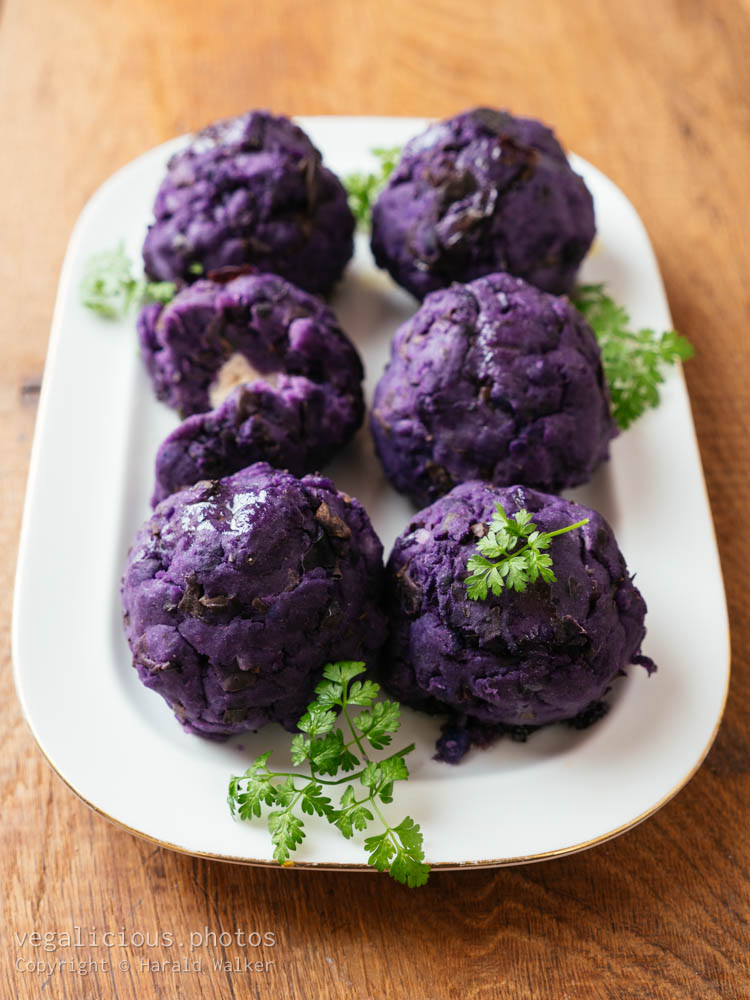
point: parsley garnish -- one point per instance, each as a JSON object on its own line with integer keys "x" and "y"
{"x": 326, "y": 750}
{"x": 110, "y": 288}
{"x": 632, "y": 359}
{"x": 514, "y": 567}
{"x": 363, "y": 188}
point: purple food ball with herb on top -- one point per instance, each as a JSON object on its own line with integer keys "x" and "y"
{"x": 250, "y": 190}
{"x": 483, "y": 192}
{"x": 515, "y": 661}
{"x": 238, "y": 591}
{"x": 299, "y": 398}
{"x": 494, "y": 380}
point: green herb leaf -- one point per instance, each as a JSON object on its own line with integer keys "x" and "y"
{"x": 399, "y": 851}
{"x": 329, "y": 755}
{"x": 362, "y": 693}
{"x": 329, "y": 693}
{"x": 378, "y": 724}
{"x": 381, "y": 849}
{"x": 408, "y": 864}
{"x": 159, "y": 291}
{"x": 394, "y": 768}
{"x": 343, "y": 671}
{"x": 324, "y": 747}
{"x": 370, "y": 776}
{"x": 109, "y": 287}
{"x": 286, "y": 833}
{"x": 633, "y": 361}
{"x": 317, "y": 720}
{"x": 364, "y": 188}
{"x": 299, "y": 749}
{"x": 352, "y": 814}
{"x": 313, "y": 800}
{"x": 516, "y": 545}
{"x": 248, "y": 793}
{"x": 286, "y": 793}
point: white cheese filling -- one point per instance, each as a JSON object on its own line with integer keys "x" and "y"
{"x": 235, "y": 370}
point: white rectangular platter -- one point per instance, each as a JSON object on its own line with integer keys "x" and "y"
{"x": 117, "y": 744}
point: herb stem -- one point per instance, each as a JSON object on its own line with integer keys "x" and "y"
{"x": 561, "y": 531}
{"x": 388, "y": 828}
{"x": 357, "y": 740}
{"x": 321, "y": 781}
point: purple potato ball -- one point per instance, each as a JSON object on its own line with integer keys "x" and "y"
{"x": 296, "y": 425}
{"x": 238, "y": 591}
{"x": 299, "y": 398}
{"x": 493, "y": 380}
{"x": 517, "y": 660}
{"x": 250, "y": 190}
{"x": 483, "y": 192}
{"x": 212, "y": 331}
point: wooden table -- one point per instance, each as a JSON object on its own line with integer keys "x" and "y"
{"x": 657, "y": 95}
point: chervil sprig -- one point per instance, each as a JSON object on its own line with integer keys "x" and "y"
{"x": 363, "y": 188}
{"x": 109, "y": 287}
{"x": 511, "y": 555}
{"x": 326, "y": 750}
{"x": 632, "y": 359}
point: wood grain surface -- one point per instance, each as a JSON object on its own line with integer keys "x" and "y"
{"x": 656, "y": 94}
